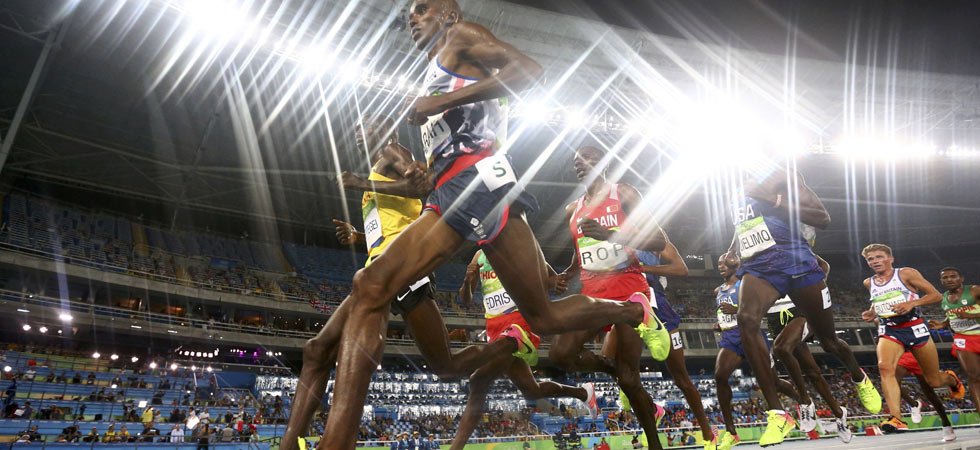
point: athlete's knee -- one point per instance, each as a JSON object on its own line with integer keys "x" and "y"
{"x": 720, "y": 379}
{"x": 370, "y": 290}
{"x": 316, "y": 349}
{"x": 782, "y": 350}
{"x": 543, "y": 322}
{"x": 833, "y": 346}
{"x": 886, "y": 369}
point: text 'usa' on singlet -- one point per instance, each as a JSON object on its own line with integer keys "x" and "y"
{"x": 727, "y": 294}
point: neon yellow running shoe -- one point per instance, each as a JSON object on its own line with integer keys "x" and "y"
{"x": 624, "y": 401}
{"x": 651, "y": 329}
{"x": 525, "y": 346}
{"x": 778, "y": 426}
{"x": 727, "y": 440}
{"x": 869, "y": 395}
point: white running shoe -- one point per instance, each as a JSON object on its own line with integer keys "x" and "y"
{"x": 843, "y": 431}
{"x": 591, "y": 401}
{"x": 808, "y": 417}
{"x": 948, "y": 434}
{"x": 916, "y": 411}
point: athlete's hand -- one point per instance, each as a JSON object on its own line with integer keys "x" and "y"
{"x": 346, "y": 233}
{"x": 351, "y": 181}
{"x": 937, "y": 324}
{"x": 420, "y": 178}
{"x": 868, "y": 315}
{"x": 728, "y": 308}
{"x": 560, "y": 283}
{"x": 419, "y": 111}
{"x": 592, "y": 229}
{"x": 903, "y": 308}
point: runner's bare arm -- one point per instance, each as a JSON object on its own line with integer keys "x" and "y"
{"x": 476, "y": 45}
{"x": 674, "y": 267}
{"x": 573, "y": 267}
{"x": 640, "y": 230}
{"x": 776, "y": 190}
{"x": 470, "y": 280}
{"x": 913, "y": 279}
{"x": 398, "y": 159}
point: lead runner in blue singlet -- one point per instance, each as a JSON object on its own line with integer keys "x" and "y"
{"x": 476, "y": 197}
{"x": 777, "y": 261}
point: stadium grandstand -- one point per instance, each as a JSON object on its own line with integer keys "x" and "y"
{"x": 172, "y": 174}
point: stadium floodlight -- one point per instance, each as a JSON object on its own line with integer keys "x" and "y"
{"x": 173, "y": 366}
{"x": 43, "y": 329}
{"x": 219, "y": 20}
{"x": 96, "y": 355}
{"x": 23, "y": 310}
{"x": 26, "y": 327}
{"x": 113, "y": 385}
{"x": 209, "y": 369}
{"x": 7, "y": 368}
{"x": 134, "y": 359}
{"x": 153, "y": 364}
{"x": 65, "y": 317}
{"x": 113, "y": 356}
{"x": 316, "y": 59}
{"x": 576, "y": 118}
{"x": 193, "y": 368}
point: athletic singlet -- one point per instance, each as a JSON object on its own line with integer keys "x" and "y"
{"x": 965, "y": 302}
{"x": 727, "y": 295}
{"x": 781, "y": 305}
{"x": 472, "y": 129}
{"x": 763, "y": 230}
{"x": 609, "y": 270}
{"x": 496, "y": 300}
{"x": 657, "y": 283}
{"x": 893, "y": 292}
{"x": 385, "y": 216}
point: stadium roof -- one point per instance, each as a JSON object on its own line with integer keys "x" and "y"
{"x": 173, "y": 106}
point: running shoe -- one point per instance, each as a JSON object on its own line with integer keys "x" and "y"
{"x": 843, "y": 431}
{"x": 651, "y": 329}
{"x": 708, "y": 445}
{"x": 525, "y": 347}
{"x": 916, "y": 411}
{"x": 778, "y": 426}
{"x": 808, "y": 417}
{"x": 658, "y": 414}
{"x": 727, "y": 440}
{"x": 957, "y": 392}
{"x": 870, "y": 398}
{"x": 591, "y": 401}
{"x": 894, "y": 425}
{"x": 948, "y": 434}
{"x": 624, "y": 401}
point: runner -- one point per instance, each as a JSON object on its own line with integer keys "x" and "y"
{"x": 908, "y": 365}
{"x": 896, "y": 294}
{"x": 476, "y": 198}
{"x": 962, "y": 306}
{"x": 389, "y": 204}
{"x": 657, "y": 266}
{"x": 732, "y": 353}
{"x": 777, "y": 261}
{"x": 504, "y": 320}
{"x": 789, "y": 327}
{"x": 609, "y": 268}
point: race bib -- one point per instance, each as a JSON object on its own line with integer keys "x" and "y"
{"x": 498, "y": 302}
{"x": 826, "y": 298}
{"x": 727, "y": 321}
{"x": 754, "y": 237}
{"x": 434, "y": 133}
{"x": 495, "y": 171}
{"x": 372, "y": 226}
{"x": 676, "y": 342}
{"x": 602, "y": 256}
{"x": 963, "y": 325}
{"x": 884, "y": 302}
{"x": 920, "y": 330}
{"x": 881, "y": 330}
{"x": 959, "y": 342}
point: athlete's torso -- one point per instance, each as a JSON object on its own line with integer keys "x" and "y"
{"x": 890, "y": 293}
{"x": 496, "y": 300}
{"x": 474, "y": 128}
{"x": 609, "y": 270}
{"x": 766, "y": 234}
{"x": 966, "y": 302}
{"x": 727, "y": 294}
{"x": 385, "y": 216}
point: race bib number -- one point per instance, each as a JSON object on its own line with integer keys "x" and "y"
{"x": 959, "y": 342}
{"x": 676, "y": 342}
{"x": 754, "y": 237}
{"x": 727, "y": 321}
{"x": 883, "y": 303}
{"x": 881, "y": 330}
{"x": 498, "y": 302}
{"x": 920, "y": 330}
{"x": 372, "y": 227}
{"x": 602, "y": 256}
{"x": 434, "y": 133}
{"x": 963, "y": 325}
{"x": 826, "y": 298}
{"x": 496, "y": 172}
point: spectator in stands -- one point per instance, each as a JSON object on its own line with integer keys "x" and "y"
{"x": 76, "y": 378}
{"x": 603, "y": 445}
{"x": 110, "y": 434}
{"x": 400, "y": 444}
{"x": 205, "y": 416}
{"x": 177, "y": 434}
{"x": 9, "y": 395}
{"x": 149, "y": 432}
{"x": 123, "y": 435}
{"x": 90, "y": 379}
{"x": 227, "y": 433}
{"x": 635, "y": 442}
{"x": 50, "y": 377}
{"x": 430, "y": 443}
{"x": 34, "y": 434}
{"x": 92, "y": 436}
{"x": 203, "y": 436}
{"x": 61, "y": 378}
{"x": 23, "y": 439}
{"x": 147, "y": 416}
{"x": 26, "y": 412}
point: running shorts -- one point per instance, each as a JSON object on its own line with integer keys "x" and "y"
{"x": 912, "y": 335}
{"x": 732, "y": 340}
{"x": 786, "y": 280}
{"x": 497, "y": 325}
{"x": 410, "y": 298}
{"x": 969, "y": 343}
{"x": 666, "y": 313}
{"x": 777, "y": 321}
{"x": 910, "y": 364}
